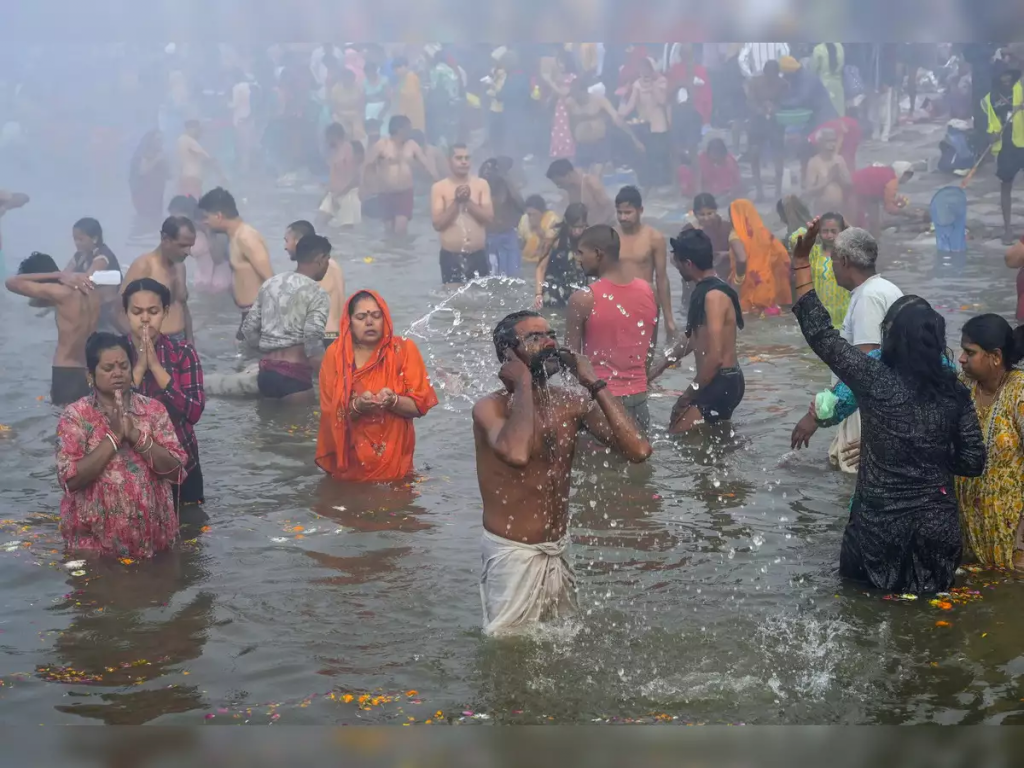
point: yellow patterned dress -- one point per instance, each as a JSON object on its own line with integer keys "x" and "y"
{"x": 991, "y": 506}
{"x": 835, "y": 299}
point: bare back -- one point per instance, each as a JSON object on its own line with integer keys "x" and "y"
{"x": 717, "y": 332}
{"x": 250, "y": 264}
{"x": 636, "y": 253}
{"x": 600, "y": 208}
{"x": 589, "y": 119}
{"x": 173, "y": 276}
{"x": 531, "y": 504}
{"x": 78, "y": 314}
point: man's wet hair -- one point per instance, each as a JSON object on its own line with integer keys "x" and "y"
{"x": 301, "y": 228}
{"x": 312, "y": 246}
{"x": 771, "y": 68}
{"x": 173, "y": 225}
{"x": 694, "y": 246}
{"x": 559, "y": 168}
{"x": 505, "y": 336}
{"x": 38, "y": 264}
{"x": 601, "y": 238}
{"x": 629, "y": 195}
{"x": 456, "y": 146}
{"x": 146, "y": 284}
{"x": 219, "y": 200}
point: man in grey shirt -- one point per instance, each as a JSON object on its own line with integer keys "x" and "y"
{"x": 287, "y": 322}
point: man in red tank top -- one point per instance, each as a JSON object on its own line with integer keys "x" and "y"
{"x": 613, "y": 321}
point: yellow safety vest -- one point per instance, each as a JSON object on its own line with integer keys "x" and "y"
{"x": 995, "y": 125}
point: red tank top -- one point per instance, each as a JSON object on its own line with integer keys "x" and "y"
{"x": 618, "y": 334}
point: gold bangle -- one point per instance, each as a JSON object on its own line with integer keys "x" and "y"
{"x": 113, "y": 442}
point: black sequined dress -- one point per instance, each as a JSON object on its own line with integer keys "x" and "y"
{"x": 904, "y": 529}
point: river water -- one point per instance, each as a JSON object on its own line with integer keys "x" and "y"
{"x": 708, "y": 578}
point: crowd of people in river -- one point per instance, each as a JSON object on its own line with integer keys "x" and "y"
{"x": 939, "y": 456}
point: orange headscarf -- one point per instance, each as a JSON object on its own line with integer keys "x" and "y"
{"x": 767, "y": 282}
{"x": 377, "y": 447}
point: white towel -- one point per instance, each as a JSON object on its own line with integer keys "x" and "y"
{"x": 525, "y": 583}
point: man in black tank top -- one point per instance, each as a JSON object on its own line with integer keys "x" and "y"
{"x": 712, "y": 321}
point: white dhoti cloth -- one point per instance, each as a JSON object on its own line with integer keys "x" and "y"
{"x": 345, "y": 210}
{"x": 848, "y": 434}
{"x": 525, "y": 583}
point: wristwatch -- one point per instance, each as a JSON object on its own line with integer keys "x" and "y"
{"x": 596, "y": 387}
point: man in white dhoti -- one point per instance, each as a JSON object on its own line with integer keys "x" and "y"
{"x": 525, "y": 442}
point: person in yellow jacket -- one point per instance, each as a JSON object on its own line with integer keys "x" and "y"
{"x": 1004, "y": 106}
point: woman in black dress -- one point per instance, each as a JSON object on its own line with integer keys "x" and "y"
{"x": 919, "y": 429}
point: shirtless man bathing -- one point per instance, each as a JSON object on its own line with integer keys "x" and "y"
{"x": 525, "y": 439}
{"x": 78, "y": 312}
{"x": 390, "y": 163}
{"x": 713, "y": 317}
{"x": 642, "y": 253}
{"x": 461, "y": 209}
{"x": 583, "y": 188}
{"x": 166, "y": 265}
{"x": 247, "y": 251}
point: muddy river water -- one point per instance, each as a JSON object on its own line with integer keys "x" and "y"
{"x": 708, "y": 579}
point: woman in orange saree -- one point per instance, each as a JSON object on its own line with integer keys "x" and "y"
{"x": 766, "y": 285}
{"x": 372, "y": 385}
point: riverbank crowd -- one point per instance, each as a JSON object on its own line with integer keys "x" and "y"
{"x": 935, "y": 439}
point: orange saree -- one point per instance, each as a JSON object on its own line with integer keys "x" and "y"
{"x": 377, "y": 447}
{"x": 767, "y": 284}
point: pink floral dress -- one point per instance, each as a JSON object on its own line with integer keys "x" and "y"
{"x": 128, "y": 510}
{"x": 562, "y": 142}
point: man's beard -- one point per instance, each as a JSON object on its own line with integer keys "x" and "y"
{"x": 538, "y": 365}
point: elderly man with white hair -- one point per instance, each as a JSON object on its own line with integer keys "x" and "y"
{"x": 854, "y": 262}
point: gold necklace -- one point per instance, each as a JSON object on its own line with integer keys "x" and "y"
{"x": 991, "y": 399}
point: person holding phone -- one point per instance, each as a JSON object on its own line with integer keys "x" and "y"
{"x": 525, "y": 439}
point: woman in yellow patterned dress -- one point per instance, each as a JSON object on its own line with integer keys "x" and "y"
{"x": 992, "y": 506}
{"x": 835, "y": 299}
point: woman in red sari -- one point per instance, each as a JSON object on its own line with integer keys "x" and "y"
{"x": 117, "y": 455}
{"x": 372, "y": 385}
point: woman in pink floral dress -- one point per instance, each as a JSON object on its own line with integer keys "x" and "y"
{"x": 117, "y": 455}
{"x": 562, "y": 142}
